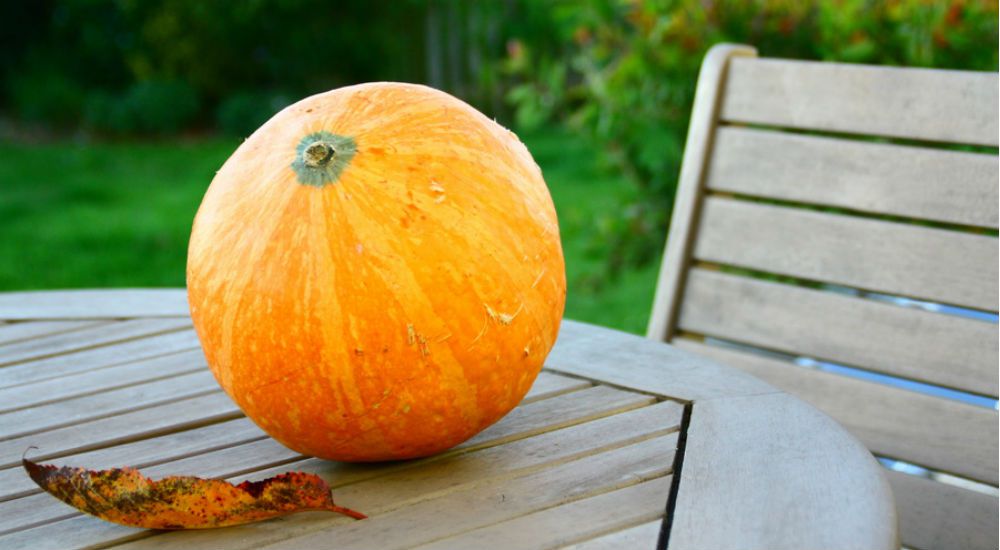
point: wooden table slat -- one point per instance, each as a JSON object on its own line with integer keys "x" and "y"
{"x": 550, "y": 385}
{"x": 461, "y": 467}
{"x": 640, "y": 536}
{"x": 567, "y": 411}
{"x": 101, "y": 380}
{"x": 26, "y": 330}
{"x": 90, "y": 304}
{"x": 77, "y": 410}
{"x": 143, "y": 453}
{"x": 171, "y": 417}
{"x": 571, "y": 522}
{"x": 490, "y": 503}
{"x": 96, "y": 358}
{"x": 807, "y": 457}
{"x": 92, "y": 337}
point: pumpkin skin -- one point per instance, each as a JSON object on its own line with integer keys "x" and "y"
{"x": 391, "y": 306}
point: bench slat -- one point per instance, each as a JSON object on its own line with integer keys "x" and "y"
{"x": 936, "y": 515}
{"x": 890, "y": 421}
{"x": 882, "y": 178}
{"x": 924, "y": 104}
{"x": 925, "y": 263}
{"x": 931, "y": 347}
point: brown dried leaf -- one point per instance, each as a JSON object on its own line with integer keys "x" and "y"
{"x": 124, "y": 496}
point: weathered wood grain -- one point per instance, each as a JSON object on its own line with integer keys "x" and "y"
{"x": 105, "y": 379}
{"x": 924, "y": 104}
{"x": 142, "y": 453}
{"x": 94, "y": 304}
{"x": 890, "y": 421}
{"x": 881, "y": 178}
{"x": 490, "y": 503}
{"x": 697, "y": 151}
{"x": 644, "y": 535}
{"x": 643, "y": 365}
{"x": 925, "y": 263}
{"x": 931, "y": 347}
{"x": 91, "y": 359}
{"x": 77, "y": 410}
{"x": 383, "y": 487}
{"x": 935, "y": 515}
{"x": 26, "y": 330}
{"x": 104, "y": 432}
{"x": 91, "y": 337}
{"x": 550, "y": 385}
{"x": 526, "y": 420}
{"x": 572, "y": 522}
{"x": 781, "y": 457}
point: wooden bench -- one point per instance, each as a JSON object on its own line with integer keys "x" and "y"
{"x": 810, "y": 196}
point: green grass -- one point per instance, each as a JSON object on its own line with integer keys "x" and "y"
{"x": 119, "y": 215}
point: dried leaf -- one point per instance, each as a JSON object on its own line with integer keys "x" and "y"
{"x": 123, "y": 495}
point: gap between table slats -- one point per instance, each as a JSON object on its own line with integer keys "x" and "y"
{"x": 156, "y": 450}
{"x": 931, "y": 347}
{"x": 577, "y": 521}
{"x": 40, "y": 508}
{"x": 954, "y": 187}
{"x": 493, "y": 436}
{"x": 925, "y": 263}
{"x": 922, "y": 104}
{"x": 100, "y": 380}
{"x": 27, "y": 330}
{"x": 96, "y": 358}
{"x": 477, "y": 507}
{"x": 73, "y": 411}
{"x": 639, "y": 536}
{"x": 87, "y": 338}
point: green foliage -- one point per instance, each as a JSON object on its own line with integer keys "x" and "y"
{"x": 159, "y": 66}
{"x": 152, "y": 107}
{"x": 242, "y": 113}
{"x": 45, "y": 96}
{"x": 624, "y": 71}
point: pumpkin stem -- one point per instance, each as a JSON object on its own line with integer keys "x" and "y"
{"x": 320, "y": 157}
{"x": 318, "y": 154}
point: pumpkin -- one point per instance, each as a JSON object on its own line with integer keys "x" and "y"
{"x": 376, "y": 273}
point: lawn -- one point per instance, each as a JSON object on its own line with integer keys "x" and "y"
{"x": 79, "y": 215}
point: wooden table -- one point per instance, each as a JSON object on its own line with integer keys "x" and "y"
{"x": 621, "y": 443}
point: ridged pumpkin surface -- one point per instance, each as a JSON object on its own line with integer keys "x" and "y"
{"x": 390, "y": 304}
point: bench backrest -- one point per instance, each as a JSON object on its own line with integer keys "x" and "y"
{"x": 825, "y": 218}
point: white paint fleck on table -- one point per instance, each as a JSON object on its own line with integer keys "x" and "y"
{"x": 622, "y": 442}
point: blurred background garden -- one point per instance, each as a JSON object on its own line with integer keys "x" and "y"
{"x": 114, "y": 115}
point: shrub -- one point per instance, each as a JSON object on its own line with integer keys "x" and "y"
{"x": 150, "y": 107}
{"x": 624, "y": 71}
{"x": 45, "y": 96}
{"x": 244, "y": 112}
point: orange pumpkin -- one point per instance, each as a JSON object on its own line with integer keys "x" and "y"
{"x": 376, "y": 273}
